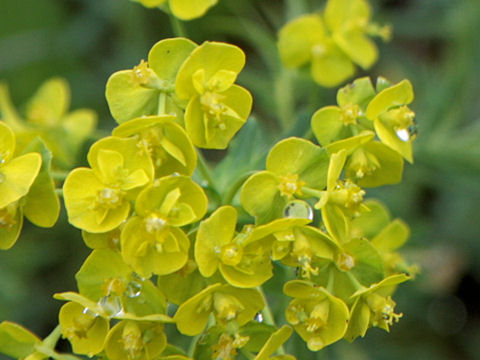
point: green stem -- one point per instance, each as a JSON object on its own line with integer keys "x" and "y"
{"x": 51, "y": 340}
{"x": 59, "y": 175}
{"x": 162, "y": 103}
{"x": 59, "y": 192}
{"x": 177, "y": 26}
{"x": 228, "y": 198}
{"x": 268, "y": 317}
{"x": 312, "y": 192}
{"x": 205, "y": 171}
{"x": 295, "y": 8}
{"x": 331, "y": 280}
{"x": 247, "y": 354}
{"x": 354, "y": 281}
{"x": 192, "y": 346}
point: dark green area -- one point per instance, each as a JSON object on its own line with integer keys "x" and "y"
{"x": 435, "y": 46}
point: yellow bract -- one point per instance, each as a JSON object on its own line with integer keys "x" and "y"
{"x": 98, "y": 199}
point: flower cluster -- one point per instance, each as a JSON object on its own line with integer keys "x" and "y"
{"x": 47, "y": 139}
{"x": 333, "y": 41}
{"x": 166, "y": 253}
{"x": 142, "y": 213}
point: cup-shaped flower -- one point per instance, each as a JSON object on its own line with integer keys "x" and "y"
{"x": 85, "y": 331}
{"x": 374, "y": 306}
{"x": 149, "y": 88}
{"x": 227, "y": 304}
{"x": 105, "y": 278}
{"x": 106, "y": 240}
{"x": 386, "y": 235}
{"x": 309, "y": 247}
{"x": 280, "y": 233}
{"x": 374, "y": 164}
{"x": 340, "y": 201}
{"x": 333, "y": 42}
{"x": 393, "y": 120}
{"x": 98, "y": 199}
{"x": 217, "y": 108}
{"x": 135, "y": 340}
{"x": 184, "y": 283}
{"x": 17, "y": 173}
{"x": 46, "y": 116}
{"x": 151, "y": 240}
{"x": 165, "y": 141}
{"x": 182, "y": 9}
{"x": 318, "y": 317}
{"x": 291, "y": 164}
{"x": 333, "y": 123}
{"x": 243, "y": 261}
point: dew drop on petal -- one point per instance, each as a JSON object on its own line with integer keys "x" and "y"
{"x": 259, "y": 317}
{"x": 298, "y": 209}
{"x": 111, "y": 305}
{"x": 403, "y": 134}
{"x": 134, "y": 289}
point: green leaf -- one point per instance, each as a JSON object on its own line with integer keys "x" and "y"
{"x": 246, "y": 152}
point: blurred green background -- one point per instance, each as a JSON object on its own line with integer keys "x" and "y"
{"x": 435, "y": 45}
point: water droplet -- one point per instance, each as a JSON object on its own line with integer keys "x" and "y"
{"x": 87, "y": 311}
{"x": 134, "y": 289}
{"x": 111, "y": 305}
{"x": 259, "y": 317}
{"x": 298, "y": 209}
{"x": 403, "y": 134}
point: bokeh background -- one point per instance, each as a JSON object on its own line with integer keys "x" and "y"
{"x": 435, "y": 45}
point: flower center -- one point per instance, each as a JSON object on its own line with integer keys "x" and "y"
{"x": 350, "y": 113}
{"x": 132, "y": 340}
{"x": 109, "y": 198}
{"x": 7, "y": 216}
{"x": 155, "y": 223}
{"x": 290, "y": 185}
